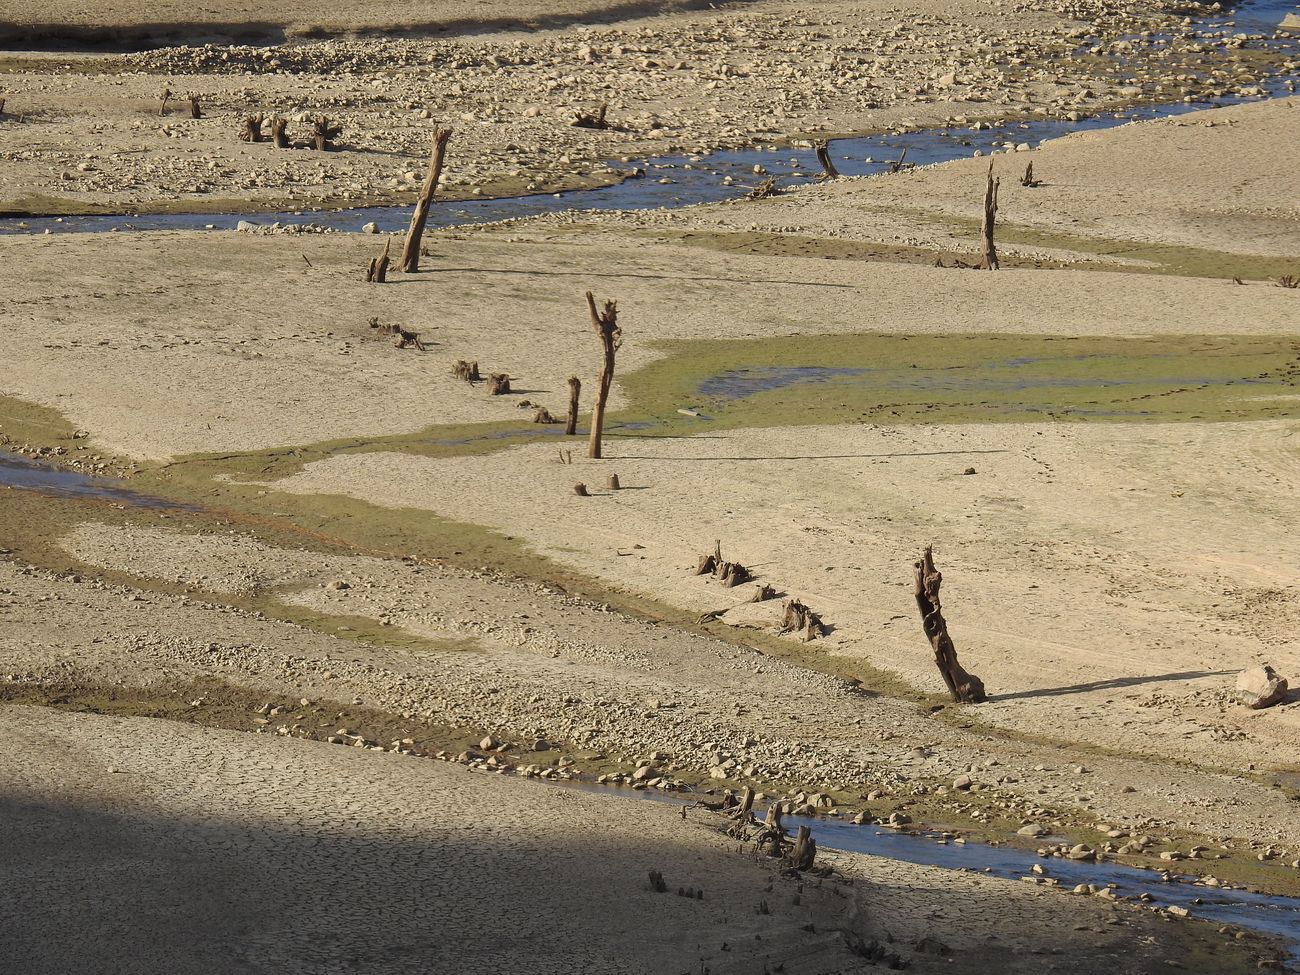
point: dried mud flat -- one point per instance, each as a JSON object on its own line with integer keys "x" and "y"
{"x": 371, "y": 553}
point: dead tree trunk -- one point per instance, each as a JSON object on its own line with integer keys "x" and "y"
{"x": 575, "y": 391}
{"x": 965, "y": 688}
{"x": 498, "y": 384}
{"x": 824, "y": 157}
{"x": 990, "y": 214}
{"x": 899, "y": 164}
{"x": 805, "y": 849}
{"x": 378, "y": 272}
{"x": 2, "y": 106}
{"x": 196, "y": 110}
{"x": 411, "y": 251}
{"x": 165, "y": 96}
{"x": 596, "y": 120}
{"x": 611, "y": 337}
{"x": 1028, "y": 179}
{"x": 252, "y": 131}
{"x": 279, "y": 132}
{"x": 324, "y": 132}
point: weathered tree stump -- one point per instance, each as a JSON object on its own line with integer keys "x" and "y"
{"x": 580, "y": 490}
{"x": 575, "y": 391}
{"x": 467, "y": 371}
{"x": 799, "y": 618}
{"x": 280, "y": 132}
{"x": 543, "y": 415}
{"x": 764, "y": 189}
{"x": 165, "y": 97}
{"x": 407, "y": 339}
{"x": 990, "y": 215}
{"x": 964, "y": 687}
{"x": 1028, "y": 179}
{"x": 2, "y": 106}
{"x": 657, "y": 882}
{"x": 706, "y": 565}
{"x": 324, "y": 132}
{"x": 762, "y": 594}
{"x": 196, "y": 110}
{"x": 613, "y": 484}
{"x": 900, "y": 163}
{"x": 745, "y": 809}
{"x": 771, "y": 837}
{"x": 377, "y": 273}
{"x": 732, "y": 574}
{"x": 592, "y": 120}
{"x": 805, "y": 850}
{"x": 420, "y": 215}
{"x": 252, "y": 130}
{"x": 498, "y": 384}
{"x": 822, "y": 148}
{"x": 1288, "y": 281}
{"x": 605, "y": 322}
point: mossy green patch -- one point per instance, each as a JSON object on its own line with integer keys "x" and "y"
{"x": 977, "y": 378}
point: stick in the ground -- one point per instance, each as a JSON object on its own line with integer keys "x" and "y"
{"x": 575, "y": 391}
{"x": 990, "y": 214}
{"x": 964, "y": 687}
{"x": 411, "y": 250}
{"x": 165, "y": 96}
{"x": 605, "y": 322}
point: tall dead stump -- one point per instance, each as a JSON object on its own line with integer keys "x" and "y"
{"x": 411, "y": 250}
{"x": 378, "y": 270}
{"x": 575, "y": 391}
{"x": 964, "y": 687}
{"x": 822, "y": 148}
{"x": 605, "y": 322}
{"x": 990, "y": 215}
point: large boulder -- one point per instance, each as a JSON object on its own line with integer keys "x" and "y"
{"x": 1260, "y": 687}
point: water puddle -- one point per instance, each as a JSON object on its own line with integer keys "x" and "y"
{"x": 24, "y": 474}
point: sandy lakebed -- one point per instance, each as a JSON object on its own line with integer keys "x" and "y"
{"x": 312, "y": 659}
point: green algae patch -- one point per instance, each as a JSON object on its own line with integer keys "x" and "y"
{"x": 979, "y": 378}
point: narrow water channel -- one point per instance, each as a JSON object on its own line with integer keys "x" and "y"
{"x": 679, "y": 180}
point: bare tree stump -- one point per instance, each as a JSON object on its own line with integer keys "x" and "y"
{"x": 543, "y": 415}
{"x": 467, "y": 371}
{"x": 732, "y": 574}
{"x": 805, "y": 850}
{"x": 899, "y": 164}
{"x": 990, "y": 214}
{"x": 498, "y": 384}
{"x": 657, "y": 882}
{"x": 824, "y": 158}
{"x": 593, "y": 120}
{"x": 165, "y": 96}
{"x": 580, "y": 490}
{"x": 279, "y": 132}
{"x": 575, "y": 391}
{"x": 378, "y": 271}
{"x": 252, "y": 130}
{"x": 1028, "y": 179}
{"x": 407, "y": 339}
{"x": 745, "y": 809}
{"x": 611, "y": 337}
{"x": 764, "y": 189}
{"x": 2, "y": 106}
{"x": 964, "y": 687}
{"x": 324, "y": 132}
{"x": 196, "y": 110}
{"x": 772, "y": 835}
{"x": 411, "y": 250}
{"x": 762, "y": 594}
{"x": 799, "y": 618}
{"x": 706, "y": 565}
{"x": 613, "y": 483}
